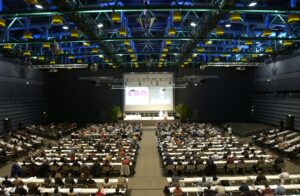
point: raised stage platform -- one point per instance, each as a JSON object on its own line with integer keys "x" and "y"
{"x": 146, "y": 121}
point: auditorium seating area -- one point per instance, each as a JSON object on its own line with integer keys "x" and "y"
{"x": 285, "y": 142}
{"x": 98, "y": 156}
{"x": 17, "y": 143}
{"x": 197, "y": 158}
{"x": 197, "y": 149}
{"x": 52, "y": 131}
{"x": 81, "y": 185}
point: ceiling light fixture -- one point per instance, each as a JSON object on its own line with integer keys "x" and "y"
{"x": 100, "y": 25}
{"x": 228, "y": 25}
{"x": 252, "y": 4}
{"x": 193, "y": 24}
{"x": 65, "y": 27}
{"x": 38, "y": 6}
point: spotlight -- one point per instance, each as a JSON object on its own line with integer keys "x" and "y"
{"x": 228, "y": 25}
{"x": 38, "y": 6}
{"x": 193, "y": 24}
{"x": 252, "y": 4}
{"x": 27, "y": 83}
{"x": 65, "y": 27}
{"x": 196, "y": 84}
{"x": 100, "y": 25}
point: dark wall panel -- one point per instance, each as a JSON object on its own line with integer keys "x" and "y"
{"x": 22, "y": 94}
{"x": 218, "y": 99}
{"x": 272, "y": 109}
{"x": 275, "y": 88}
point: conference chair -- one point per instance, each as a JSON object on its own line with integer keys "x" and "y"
{"x": 201, "y": 169}
{"x": 180, "y": 170}
{"x": 190, "y": 170}
{"x": 81, "y": 186}
{"x": 231, "y": 168}
{"x": 169, "y": 170}
{"x": 94, "y": 185}
{"x": 68, "y": 186}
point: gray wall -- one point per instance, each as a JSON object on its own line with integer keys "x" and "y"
{"x": 19, "y": 101}
{"x": 276, "y": 86}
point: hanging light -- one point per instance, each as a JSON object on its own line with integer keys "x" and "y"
{"x": 41, "y": 58}
{"x": 293, "y": 18}
{"x": 235, "y": 17}
{"x": 95, "y": 50}
{"x": 127, "y": 42}
{"x": 244, "y": 59}
{"x": 235, "y": 49}
{"x": 176, "y": 16}
{"x": 122, "y": 32}
{"x": 52, "y": 62}
{"x": 27, "y": 35}
{"x": 130, "y": 49}
{"x": 266, "y": 32}
{"x": 7, "y": 46}
{"x": 269, "y": 50}
{"x": 171, "y": 31}
{"x": 26, "y": 53}
{"x": 219, "y": 31}
{"x": 200, "y": 49}
{"x": 168, "y": 42}
{"x": 57, "y": 19}
{"x": 2, "y": 22}
{"x": 248, "y": 42}
{"x": 165, "y": 49}
{"x": 287, "y": 43}
{"x": 33, "y": 2}
{"x": 74, "y": 34}
{"x": 115, "y": 17}
{"x": 46, "y": 45}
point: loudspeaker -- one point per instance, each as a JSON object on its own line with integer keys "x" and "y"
{"x": 7, "y": 125}
{"x": 290, "y": 122}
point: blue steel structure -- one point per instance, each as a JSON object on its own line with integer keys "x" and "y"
{"x": 147, "y": 23}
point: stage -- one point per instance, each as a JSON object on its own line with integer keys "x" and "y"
{"x": 146, "y": 120}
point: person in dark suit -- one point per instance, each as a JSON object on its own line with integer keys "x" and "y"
{"x": 7, "y": 183}
{"x": 69, "y": 179}
{"x": 20, "y": 190}
{"x": 81, "y": 179}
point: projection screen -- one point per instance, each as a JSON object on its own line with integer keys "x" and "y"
{"x": 148, "y": 92}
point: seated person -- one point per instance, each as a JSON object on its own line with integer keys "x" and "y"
{"x": 208, "y": 191}
{"x": 267, "y": 191}
{"x": 260, "y": 179}
{"x": 20, "y": 189}
{"x": 7, "y": 183}
{"x": 106, "y": 183}
{"x": 177, "y": 190}
{"x": 69, "y": 179}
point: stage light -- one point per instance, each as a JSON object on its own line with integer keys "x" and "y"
{"x": 100, "y": 25}
{"x": 228, "y": 25}
{"x": 252, "y": 4}
{"x": 65, "y": 27}
{"x": 193, "y": 24}
{"x": 39, "y": 6}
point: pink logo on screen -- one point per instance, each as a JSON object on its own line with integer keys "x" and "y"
{"x": 137, "y": 93}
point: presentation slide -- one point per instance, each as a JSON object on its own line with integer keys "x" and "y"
{"x": 148, "y": 97}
